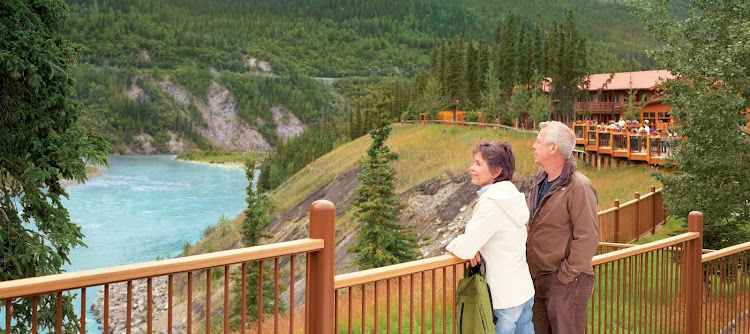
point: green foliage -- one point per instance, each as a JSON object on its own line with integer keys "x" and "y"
{"x": 539, "y": 108}
{"x": 257, "y": 216}
{"x": 298, "y": 152}
{"x": 709, "y": 52}
{"x": 631, "y": 106}
{"x": 195, "y": 79}
{"x": 491, "y": 97}
{"x": 42, "y": 142}
{"x": 381, "y": 241}
{"x": 430, "y": 102}
{"x": 471, "y": 116}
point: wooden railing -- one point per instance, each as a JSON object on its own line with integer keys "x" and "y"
{"x": 651, "y": 288}
{"x": 631, "y": 221}
{"x": 319, "y": 250}
{"x": 726, "y": 287}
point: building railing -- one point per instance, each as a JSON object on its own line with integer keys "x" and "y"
{"x": 653, "y": 149}
{"x": 598, "y": 106}
{"x": 664, "y": 286}
{"x": 631, "y": 221}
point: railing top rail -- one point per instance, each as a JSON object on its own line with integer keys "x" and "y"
{"x": 393, "y": 271}
{"x": 725, "y": 252}
{"x": 94, "y": 277}
{"x": 615, "y": 244}
{"x": 604, "y": 212}
{"x": 627, "y": 252}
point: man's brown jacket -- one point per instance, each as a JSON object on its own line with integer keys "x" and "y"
{"x": 564, "y": 229}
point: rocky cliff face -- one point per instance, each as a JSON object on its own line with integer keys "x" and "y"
{"x": 223, "y": 128}
{"x": 226, "y": 131}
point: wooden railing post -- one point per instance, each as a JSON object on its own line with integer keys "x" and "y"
{"x": 638, "y": 231}
{"x": 320, "y": 308}
{"x": 618, "y": 233}
{"x": 694, "y": 275}
{"x": 653, "y": 211}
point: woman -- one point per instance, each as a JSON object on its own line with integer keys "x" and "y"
{"x": 497, "y": 230}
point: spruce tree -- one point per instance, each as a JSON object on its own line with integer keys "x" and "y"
{"x": 381, "y": 240}
{"x": 492, "y": 96}
{"x": 454, "y": 79}
{"x": 483, "y": 63}
{"x": 41, "y": 142}
{"x": 507, "y": 58}
{"x": 470, "y": 83}
{"x": 708, "y": 52}
{"x": 257, "y": 217}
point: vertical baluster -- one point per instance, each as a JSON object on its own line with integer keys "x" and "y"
{"x": 58, "y": 322}
{"x": 444, "y": 296}
{"x": 83, "y": 310}
{"x": 400, "y": 302}
{"x": 243, "y": 316}
{"x": 129, "y": 310}
{"x": 307, "y": 290}
{"x": 190, "y": 303}
{"x": 599, "y": 294}
{"x": 375, "y": 292}
{"x": 291, "y": 296}
{"x": 350, "y": 309}
{"x": 170, "y": 286}
{"x": 276, "y": 295}
{"x": 336, "y": 311}
{"x": 149, "y": 304}
{"x": 208, "y": 300}
{"x": 226, "y": 299}
{"x": 34, "y": 317}
{"x": 453, "y": 302}
{"x": 105, "y": 326}
{"x": 388, "y": 306}
{"x": 411, "y": 304}
{"x": 364, "y": 287}
{"x": 260, "y": 296}
{"x": 434, "y": 283}
{"x": 8, "y": 315}
{"x": 421, "y": 311}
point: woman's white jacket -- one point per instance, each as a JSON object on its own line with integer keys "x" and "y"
{"x": 497, "y": 230}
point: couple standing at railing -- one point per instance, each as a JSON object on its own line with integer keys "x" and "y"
{"x": 538, "y": 252}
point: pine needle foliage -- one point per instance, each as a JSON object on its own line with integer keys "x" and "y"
{"x": 708, "y": 52}
{"x": 381, "y": 240}
{"x": 41, "y": 142}
{"x": 257, "y": 217}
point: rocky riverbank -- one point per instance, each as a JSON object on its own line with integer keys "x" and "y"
{"x": 118, "y": 302}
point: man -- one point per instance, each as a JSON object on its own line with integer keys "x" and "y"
{"x": 563, "y": 234}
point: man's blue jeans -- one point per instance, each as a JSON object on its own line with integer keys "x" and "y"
{"x": 515, "y": 320}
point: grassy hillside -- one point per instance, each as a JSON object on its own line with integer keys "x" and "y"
{"x": 427, "y": 152}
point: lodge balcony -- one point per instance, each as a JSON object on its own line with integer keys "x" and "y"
{"x": 669, "y": 286}
{"x": 652, "y": 149}
{"x": 599, "y": 107}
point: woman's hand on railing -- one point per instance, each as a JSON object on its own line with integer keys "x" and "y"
{"x": 475, "y": 260}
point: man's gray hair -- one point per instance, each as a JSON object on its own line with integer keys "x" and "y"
{"x": 560, "y": 134}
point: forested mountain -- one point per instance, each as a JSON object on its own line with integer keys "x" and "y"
{"x": 172, "y": 75}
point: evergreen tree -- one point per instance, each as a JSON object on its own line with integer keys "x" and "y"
{"x": 492, "y": 96}
{"x": 41, "y": 142}
{"x": 431, "y": 102}
{"x": 708, "y": 52}
{"x": 434, "y": 58}
{"x": 381, "y": 241}
{"x": 483, "y": 63}
{"x": 507, "y": 57}
{"x": 470, "y": 82}
{"x": 537, "y": 63}
{"x": 442, "y": 67}
{"x": 456, "y": 64}
{"x": 539, "y": 107}
{"x": 257, "y": 216}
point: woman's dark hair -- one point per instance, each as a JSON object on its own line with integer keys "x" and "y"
{"x": 498, "y": 155}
